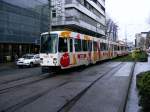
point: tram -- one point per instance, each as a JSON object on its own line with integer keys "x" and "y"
{"x": 67, "y": 49}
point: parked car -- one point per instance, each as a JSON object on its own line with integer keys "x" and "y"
{"x": 28, "y": 60}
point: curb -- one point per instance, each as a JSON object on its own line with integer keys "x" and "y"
{"x": 122, "y": 107}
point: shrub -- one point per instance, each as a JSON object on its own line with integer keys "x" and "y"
{"x": 143, "y": 85}
{"x": 139, "y": 55}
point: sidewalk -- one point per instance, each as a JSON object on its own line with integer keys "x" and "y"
{"x": 132, "y": 104}
{"x": 7, "y": 66}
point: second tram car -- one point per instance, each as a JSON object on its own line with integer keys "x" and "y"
{"x": 66, "y": 49}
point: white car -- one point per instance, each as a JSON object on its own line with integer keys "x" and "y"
{"x": 28, "y": 60}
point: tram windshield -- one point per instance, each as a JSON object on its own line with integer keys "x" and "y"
{"x": 49, "y": 43}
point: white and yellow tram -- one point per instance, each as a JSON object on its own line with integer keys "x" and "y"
{"x": 66, "y": 49}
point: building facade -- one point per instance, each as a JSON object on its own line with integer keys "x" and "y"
{"x": 21, "y": 22}
{"x": 84, "y": 16}
{"x": 143, "y": 40}
{"x": 130, "y": 45}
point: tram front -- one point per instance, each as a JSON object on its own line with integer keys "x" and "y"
{"x": 49, "y": 51}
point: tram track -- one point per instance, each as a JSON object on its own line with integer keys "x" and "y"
{"x": 29, "y": 76}
{"x": 31, "y": 99}
{"x": 25, "y": 81}
{"x": 16, "y": 79}
{"x": 12, "y": 85}
{"x": 67, "y": 106}
{"x": 13, "y": 80}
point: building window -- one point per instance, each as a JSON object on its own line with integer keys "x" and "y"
{"x": 53, "y": 13}
{"x": 82, "y": 2}
{"x": 68, "y": 1}
{"x": 95, "y": 1}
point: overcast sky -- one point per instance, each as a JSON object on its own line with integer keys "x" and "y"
{"x": 132, "y": 16}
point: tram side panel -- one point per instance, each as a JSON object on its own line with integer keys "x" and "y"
{"x": 75, "y": 50}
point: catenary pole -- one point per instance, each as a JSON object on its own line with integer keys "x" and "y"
{"x": 50, "y": 27}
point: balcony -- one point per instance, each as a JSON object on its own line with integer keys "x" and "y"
{"x": 73, "y": 21}
{"x": 86, "y": 11}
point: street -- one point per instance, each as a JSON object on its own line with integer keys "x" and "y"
{"x": 74, "y": 55}
{"x": 28, "y": 90}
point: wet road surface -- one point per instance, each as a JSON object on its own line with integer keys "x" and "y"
{"x": 28, "y": 90}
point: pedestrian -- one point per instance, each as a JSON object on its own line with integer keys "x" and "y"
{"x": 16, "y": 57}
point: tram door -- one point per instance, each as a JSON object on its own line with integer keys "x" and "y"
{"x": 64, "y": 52}
{"x": 90, "y": 51}
{"x": 95, "y": 53}
{"x": 70, "y": 50}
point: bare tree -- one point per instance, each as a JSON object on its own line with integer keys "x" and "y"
{"x": 112, "y": 29}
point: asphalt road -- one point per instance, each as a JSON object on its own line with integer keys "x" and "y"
{"x": 28, "y": 90}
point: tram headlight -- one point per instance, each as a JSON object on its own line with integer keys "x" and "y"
{"x": 55, "y": 61}
{"x": 41, "y": 60}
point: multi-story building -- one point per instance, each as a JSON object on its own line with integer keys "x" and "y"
{"x": 130, "y": 45}
{"x": 85, "y": 16}
{"x": 143, "y": 40}
{"x": 22, "y": 22}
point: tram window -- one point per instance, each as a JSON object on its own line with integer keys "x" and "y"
{"x": 49, "y": 43}
{"x": 62, "y": 45}
{"x": 103, "y": 46}
{"x": 71, "y": 45}
{"x": 84, "y": 45}
{"x": 106, "y": 46}
{"x": 78, "y": 45}
{"x": 115, "y": 48}
{"x": 118, "y": 48}
{"x": 95, "y": 46}
{"x": 122, "y": 48}
{"x": 89, "y": 45}
{"x": 111, "y": 46}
